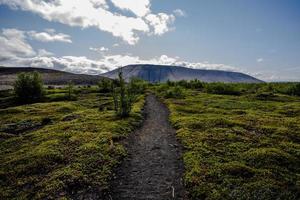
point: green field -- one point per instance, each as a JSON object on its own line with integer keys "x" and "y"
{"x": 241, "y": 141}
{"x": 242, "y": 146}
{"x": 62, "y": 148}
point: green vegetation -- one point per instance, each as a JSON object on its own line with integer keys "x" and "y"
{"x": 239, "y": 145}
{"x": 294, "y": 90}
{"x": 28, "y": 87}
{"x": 70, "y": 93}
{"x": 137, "y": 86}
{"x": 61, "y": 149}
{"x": 241, "y": 141}
{"x": 105, "y": 85}
{"x": 125, "y": 94}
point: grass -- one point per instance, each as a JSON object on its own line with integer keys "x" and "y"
{"x": 238, "y": 146}
{"x": 241, "y": 141}
{"x": 61, "y": 149}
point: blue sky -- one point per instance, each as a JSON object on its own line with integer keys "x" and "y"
{"x": 258, "y": 37}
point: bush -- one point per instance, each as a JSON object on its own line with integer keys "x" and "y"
{"x": 193, "y": 84}
{"x": 174, "y": 92}
{"x": 222, "y": 88}
{"x": 104, "y": 85}
{"x": 137, "y": 86}
{"x": 161, "y": 88}
{"x": 183, "y": 83}
{"x": 122, "y": 96}
{"x": 265, "y": 95}
{"x": 294, "y": 90}
{"x": 170, "y": 83}
{"x": 196, "y": 84}
{"x": 28, "y": 87}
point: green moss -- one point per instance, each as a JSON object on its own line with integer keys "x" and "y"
{"x": 269, "y": 157}
{"x": 239, "y": 147}
{"x": 62, "y": 157}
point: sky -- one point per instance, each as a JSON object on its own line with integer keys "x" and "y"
{"x": 257, "y": 37}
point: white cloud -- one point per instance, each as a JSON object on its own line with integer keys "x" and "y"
{"x": 13, "y": 44}
{"x": 121, "y": 60}
{"x": 96, "y": 13}
{"x": 179, "y": 13}
{"x": 49, "y": 36}
{"x": 160, "y": 22}
{"x": 83, "y": 64}
{"x": 50, "y": 30}
{"x": 259, "y": 60}
{"x": 99, "y": 4}
{"x": 115, "y": 45}
{"x": 139, "y": 7}
{"x": 44, "y": 53}
{"x": 17, "y": 52}
{"x": 99, "y": 50}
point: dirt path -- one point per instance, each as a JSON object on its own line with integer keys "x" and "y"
{"x": 153, "y": 168}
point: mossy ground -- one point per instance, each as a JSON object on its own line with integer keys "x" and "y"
{"x": 70, "y": 146}
{"x": 238, "y": 147}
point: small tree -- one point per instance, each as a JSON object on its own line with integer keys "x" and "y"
{"x": 70, "y": 90}
{"x": 122, "y": 97}
{"x": 104, "y": 85}
{"x": 28, "y": 87}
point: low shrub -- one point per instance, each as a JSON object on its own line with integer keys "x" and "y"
{"x": 137, "y": 86}
{"x": 222, "y": 88}
{"x": 192, "y": 84}
{"x": 28, "y": 87}
{"x": 174, "y": 92}
{"x": 294, "y": 90}
{"x": 104, "y": 85}
{"x": 265, "y": 95}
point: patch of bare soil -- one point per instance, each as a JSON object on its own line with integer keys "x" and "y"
{"x": 153, "y": 168}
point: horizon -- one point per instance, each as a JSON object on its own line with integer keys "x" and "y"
{"x": 156, "y": 65}
{"x": 258, "y": 38}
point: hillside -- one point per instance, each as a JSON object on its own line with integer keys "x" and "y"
{"x": 50, "y": 77}
{"x": 161, "y": 73}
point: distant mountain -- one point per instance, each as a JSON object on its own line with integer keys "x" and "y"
{"x": 8, "y": 76}
{"x": 161, "y": 73}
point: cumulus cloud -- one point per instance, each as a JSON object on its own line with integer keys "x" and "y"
{"x": 113, "y": 61}
{"x": 99, "y": 50}
{"x": 85, "y": 65}
{"x": 160, "y": 22}
{"x": 49, "y": 36}
{"x": 179, "y": 13}
{"x": 74, "y": 64}
{"x": 97, "y": 13}
{"x": 44, "y": 52}
{"x": 139, "y": 8}
{"x": 13, "y": 44}
{"x": 15, "y": 51}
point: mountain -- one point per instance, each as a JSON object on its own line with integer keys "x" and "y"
{"x": 8, "y": 76}
{"x": 162, "y": 73}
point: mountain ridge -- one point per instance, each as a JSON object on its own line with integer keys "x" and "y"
{"x": 8, "y": 75}
{"x": 162, "y": 73}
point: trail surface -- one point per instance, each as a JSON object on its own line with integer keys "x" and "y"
{"x": 153, "y": 168}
